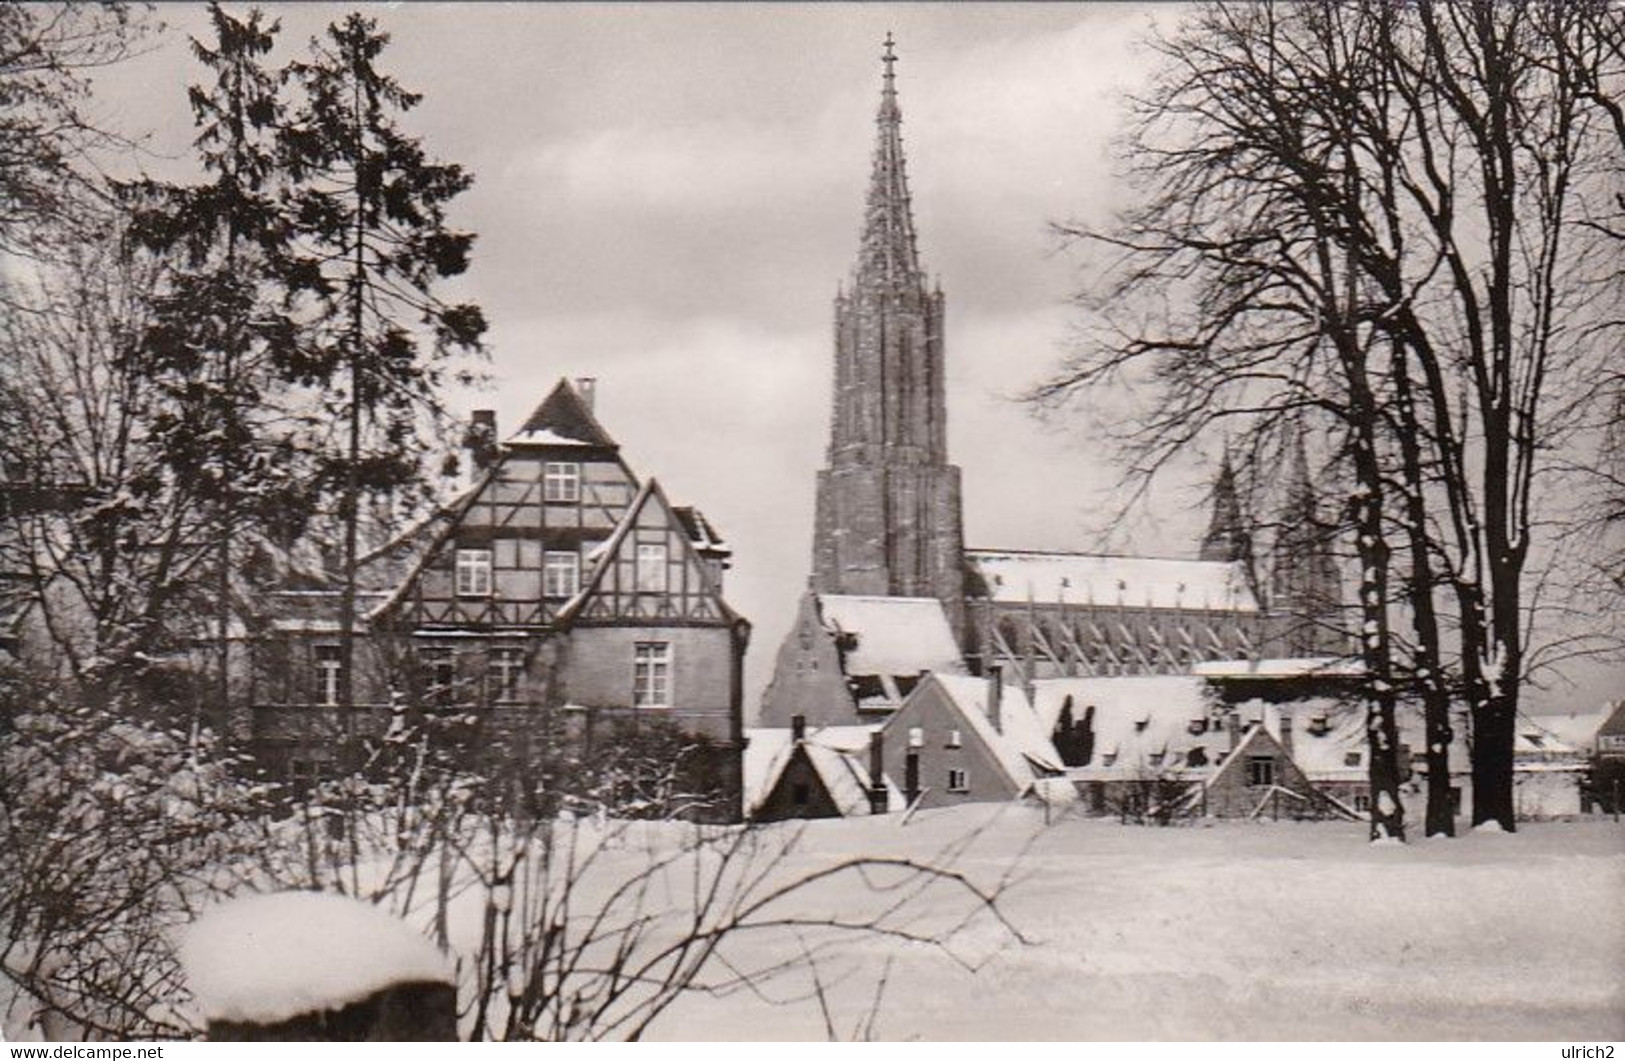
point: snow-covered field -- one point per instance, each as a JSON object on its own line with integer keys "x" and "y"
{"x": 1232, "y": 930}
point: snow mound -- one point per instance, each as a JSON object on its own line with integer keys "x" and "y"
{"x": 1490, "y": 826}
{"x": 268, "y": 958}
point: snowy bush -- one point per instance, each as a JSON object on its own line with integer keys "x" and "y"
{"x": 113, "y": 831}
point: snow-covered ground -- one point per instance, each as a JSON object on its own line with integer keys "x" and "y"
{"x": 1232, "y": 930}
{"x": 1222, "y": 930}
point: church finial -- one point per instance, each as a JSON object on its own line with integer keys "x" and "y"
{"x": 887, "y": 252}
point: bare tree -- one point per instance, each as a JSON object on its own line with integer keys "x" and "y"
{"x": 1379, "y": 211}
{"x": 49, "y": 143}
{"x": 108, "y": 543}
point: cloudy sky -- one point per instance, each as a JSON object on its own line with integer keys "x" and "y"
{"x": 666, "y": 198}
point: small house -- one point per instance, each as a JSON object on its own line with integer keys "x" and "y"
{"x": 963, "y": 739}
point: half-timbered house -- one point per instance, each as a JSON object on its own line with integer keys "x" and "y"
{"x": 559, "y": 599}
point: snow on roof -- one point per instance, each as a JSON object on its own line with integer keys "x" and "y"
{"x": 563, "y": 419}
{"x": 269, "y": 958}
{"x": 1140, "y": 723}
{"x": 1328, "y": 738}
{"x": 836, "y": 752}
{"x": 1279, "y": 668}
{"x": 767, "y": 749}
{"x": 1132, "y": 581}
{"x": 892, "y": 635}
{"x": 542, "y": 436}
{"x": 700, "y": 530}
{"x": 1575, "y": 729}
{"x": 846, "y": 777}
{"x": 1021, "y": 743}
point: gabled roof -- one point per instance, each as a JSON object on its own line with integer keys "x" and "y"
{"x": 891, "y": 635}
{"x": 1129, "y": 581}
{"x": 1020, "y": 743}
{"x": 1614, "y": 725}
{"x": 1581, "y": 729}
{"x": 837, "y": 753}
{"x": 562, "y": 419}
{"x": 604, "y": 555}
{"x": 424, "y": 540}
{"x": 1247, "y": 746}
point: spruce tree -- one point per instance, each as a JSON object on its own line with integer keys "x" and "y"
{"x": 224, "y": 350}
{"x": 373, "y": 245}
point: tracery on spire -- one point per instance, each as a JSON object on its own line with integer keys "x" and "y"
{"x": 887, "y": 253}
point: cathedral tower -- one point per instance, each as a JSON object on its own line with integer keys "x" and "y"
{"x": 888, "y": 508}
{"x": 1229, "y": 538}
{"x": 1305, "y": 589}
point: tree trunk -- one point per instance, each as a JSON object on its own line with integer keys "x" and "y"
{"x": 1440, "y": 819}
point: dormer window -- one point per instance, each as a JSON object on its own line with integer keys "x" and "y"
{"x": 1197, "y": 727}
{"x": 473, "y": 572}
{"x": 1351, "y": 758}
{"x": 561, "y": 482}
{"x": 1318, "y": 726}
{"x": 1109, "y": 759}
{"x": 1141, "y": 724}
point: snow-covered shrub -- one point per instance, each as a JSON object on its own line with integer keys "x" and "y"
{"x": 113, "y": 832}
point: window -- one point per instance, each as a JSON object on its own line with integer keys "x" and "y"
{"x": 1362, "y": 803}
{"x": 561, "y": 574}
{"x": 1154, "y": 759}
{"x": 473, "y": 572}
{"x": 1351, "y": 758}
{"x": 561, "y": 481}
{"x": 801, "y": 794}
{"x": 958, "y": 780}
{"x": 651, "y": 569}
{"x": 507, "y": 668}
{"x": 1196, "y": 757}
{"x": 916, "y": 736}
{"x": 328, "y": 664}
{"x": 651, "y": 674}
{"x": 1260, "y": 770}
{"x": 955, "y": 740}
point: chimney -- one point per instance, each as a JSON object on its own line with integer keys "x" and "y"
{"x": 587, "y": 387}
{"x": 1286, "y": 733}
{"x": 481, "y": 439}
{"x": 877, "y": 773}
{"x": 995, "y": 697}
{"x": 1232, "y": 722}
{"x": 798, "y": 728}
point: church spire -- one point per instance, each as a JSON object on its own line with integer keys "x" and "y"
{"x": 887, "y": 253}
{"x": 1228, "y": 538}
{"x": 1306, "y": 591}
{"x": 888, "y": 500}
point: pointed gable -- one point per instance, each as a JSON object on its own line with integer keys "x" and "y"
{"x": 563, "y": 419}
{"x": 650, "y": 570}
